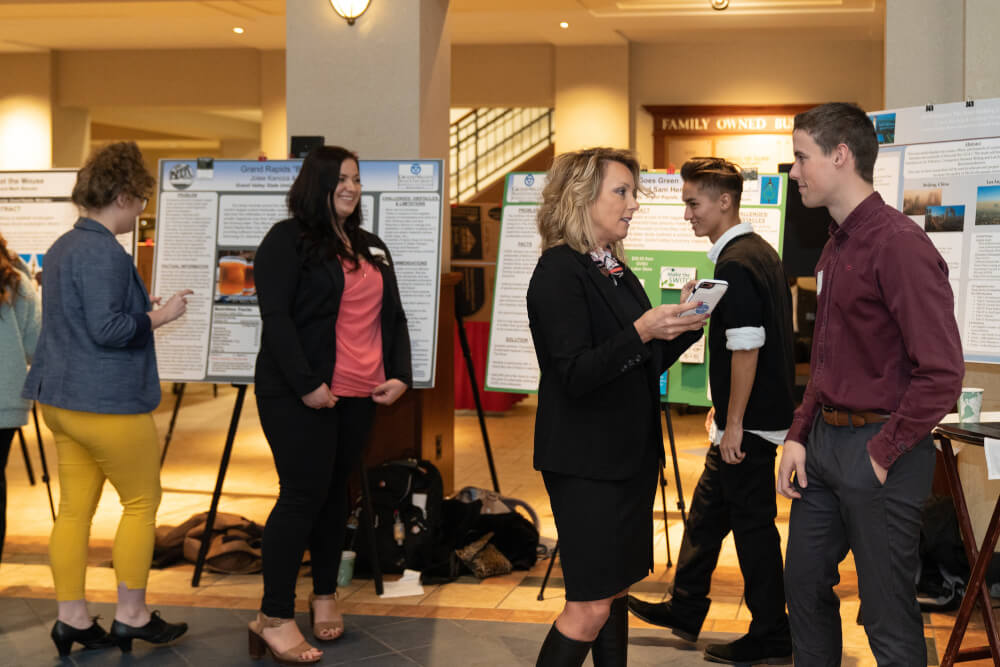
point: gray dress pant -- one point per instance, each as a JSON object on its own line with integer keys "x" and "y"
{"x": 845, "y": 507}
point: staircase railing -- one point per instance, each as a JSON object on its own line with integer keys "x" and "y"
{"x": 485, "y": 143}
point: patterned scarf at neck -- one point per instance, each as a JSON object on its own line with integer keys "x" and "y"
{"x": 607, "y": 264}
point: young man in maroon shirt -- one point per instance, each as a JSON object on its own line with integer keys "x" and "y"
{"x": 886, "y": 366}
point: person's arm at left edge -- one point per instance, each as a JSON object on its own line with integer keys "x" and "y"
{"x": 398, "y": 368}
{"x": 913, "y": 279}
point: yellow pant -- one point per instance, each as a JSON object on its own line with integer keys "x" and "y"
{"x": 93, "y": 447}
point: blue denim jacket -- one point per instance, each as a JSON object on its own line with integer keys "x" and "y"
{"x": 95, "y": 351}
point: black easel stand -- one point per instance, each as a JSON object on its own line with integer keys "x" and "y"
{"x": 27, "y": 460}
{"x": 179, "y": 391}
{"x": 206, "y": 538}
{"x": 41, "y": 456}
{"x": 677, "y": 470}
{"x": 548, "y": 572}
{"x": 471, "y": 370}
{"x": 227, "y": 451}
{"x": 666, "y": 528}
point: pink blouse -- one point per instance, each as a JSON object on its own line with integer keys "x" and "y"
{"x": 359, "y": 367}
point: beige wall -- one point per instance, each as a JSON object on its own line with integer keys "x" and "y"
{"x": 517, "y": 75}
{"x": 274, "y": 121}
{"x": 25, "y": 111}
{"x": 779, "y": 72}
{"x": 592, "y": 96}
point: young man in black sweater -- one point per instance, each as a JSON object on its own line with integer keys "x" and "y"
{"x": 751, "y": 373}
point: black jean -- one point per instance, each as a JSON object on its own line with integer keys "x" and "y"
{"x": 6, "y": 437}
{"x": 845, "y": 507}
{"x": 739, "y": 498}
{"x": 315, "y": 452}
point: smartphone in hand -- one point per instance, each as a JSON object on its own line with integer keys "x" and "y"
{"x": 709, "y": 293}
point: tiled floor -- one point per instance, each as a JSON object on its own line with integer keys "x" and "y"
{"x": 500, "y": 618}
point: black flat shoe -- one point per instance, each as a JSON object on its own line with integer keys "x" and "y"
{"x": 686, "y": 623}
{"x": 94, "y": 637}
{"x": 157, "y": 631}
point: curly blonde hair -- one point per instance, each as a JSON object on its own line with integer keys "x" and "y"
{"x": 113, "y": 170}
{"x": 574, "y": 183}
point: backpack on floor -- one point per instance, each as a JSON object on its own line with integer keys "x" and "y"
{"x": 406, "y": 500}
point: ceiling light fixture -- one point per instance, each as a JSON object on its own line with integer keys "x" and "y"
{"x": 350, "y": 10}
{"x": 720, "y": 4}
{"x": 563, "y": 25}
{"x": 238, "y": 30}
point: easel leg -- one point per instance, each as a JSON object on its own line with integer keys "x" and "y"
{"x": 471, "y": 370}
{"x": 27, "y": 459}
{"x": 548, "y": 572}
{"x": 666, "y": 526}
{"x": 41, "y": 455}
{"x": 673, "y": 456}
{"x": 369, "y": 512}
{"x": 206, "y": 539}
{"x": 179, "y": 391}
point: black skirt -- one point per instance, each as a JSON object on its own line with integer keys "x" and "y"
{"x": 605, "y": 530}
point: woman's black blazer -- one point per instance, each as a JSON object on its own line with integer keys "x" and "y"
{"x": 299, "y": 301}
{"x": 598, "y": 395}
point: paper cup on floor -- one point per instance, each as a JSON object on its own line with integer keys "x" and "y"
{"x": 970, "y": 405}
{"x": 346, "y": 572}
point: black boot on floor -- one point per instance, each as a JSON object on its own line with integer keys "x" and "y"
{"x": 749, "y": 650}
{"x": 157, "y": 631}
{"x": 558, "y": 650}
{"x": 610, "y": 649}
{"x": 685, "y": 623}
{"x": 94, "y": 637}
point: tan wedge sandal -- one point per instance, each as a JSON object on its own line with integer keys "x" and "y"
{"x": 259, "y": 647}
{"x": 335, "y": 627}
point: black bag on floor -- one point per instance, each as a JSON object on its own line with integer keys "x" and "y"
{"x": 406, "y": 499}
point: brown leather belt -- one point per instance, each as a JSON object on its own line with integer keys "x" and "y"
{"x": 840, "y": 417}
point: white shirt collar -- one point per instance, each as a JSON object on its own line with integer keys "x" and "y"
{"x": 737, "y": 230}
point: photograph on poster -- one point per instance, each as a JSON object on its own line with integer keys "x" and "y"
{"x": 885, "y": 128}
{"x": 944, "y": 219}
{"x": 234, "y": 277}
{"x": 915, "y": 202}
{"x": 988, "y": 205}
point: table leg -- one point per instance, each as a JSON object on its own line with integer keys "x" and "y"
{"x": 976, "y": 589}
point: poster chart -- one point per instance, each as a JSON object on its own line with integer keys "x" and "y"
{"x": 212, "y": 216}
{"x": 940, "y": 165}
{"x": 660, "y": 249}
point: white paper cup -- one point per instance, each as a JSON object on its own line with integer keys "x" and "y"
{"x": 970, "y": 405}
{"x": 346, "y": 572}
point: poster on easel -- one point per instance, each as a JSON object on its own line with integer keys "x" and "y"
{"x": 35, "y": 210}
{"x": 212, "y": 215}
{"x": 940, "y": 165}
{"x": 660, "y": 249}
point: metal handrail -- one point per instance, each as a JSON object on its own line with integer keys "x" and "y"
{"x": 486, "y": 142}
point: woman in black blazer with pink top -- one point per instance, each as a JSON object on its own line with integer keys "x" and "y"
{"x": 334, "y": 344}
{"x": 601, "y": 349}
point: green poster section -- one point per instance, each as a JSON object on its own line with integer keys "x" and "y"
{"x": 659, "y": 238}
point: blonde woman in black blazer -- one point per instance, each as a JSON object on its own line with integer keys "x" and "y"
{"x": 334, "y": 344}
{"x": 601, "y": 349}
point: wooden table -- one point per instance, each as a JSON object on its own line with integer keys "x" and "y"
{"x": 979, "y": 559}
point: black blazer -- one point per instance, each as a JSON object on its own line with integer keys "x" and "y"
{"x": 598, "y": 395}
{"x": 299, "y": 301}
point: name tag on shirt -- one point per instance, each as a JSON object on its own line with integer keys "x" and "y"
{"x": 378, "y": 254}
{"x": 819, "y": 283}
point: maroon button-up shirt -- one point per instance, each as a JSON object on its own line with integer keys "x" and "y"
{"x": 886, "y": 339}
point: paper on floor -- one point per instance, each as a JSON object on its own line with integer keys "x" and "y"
{"x": 409, "y": 584}
{"x": 992, "y": 447}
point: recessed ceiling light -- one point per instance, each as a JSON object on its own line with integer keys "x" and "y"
{"x": 563, "y": 25}
{"x": 238, "y": 30}
{"x": 720, "y": 4}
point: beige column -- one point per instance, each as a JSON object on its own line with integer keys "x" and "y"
{"x": 273, "y": 123}
{"x": 70, "y": 137}
{"x": 592, "y": 97}
{"x": 26, "y": 111}
{"x": 380, "y": 86}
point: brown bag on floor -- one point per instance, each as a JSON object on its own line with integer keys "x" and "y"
{"x": 484, "y": 559}
{"x": 233, "y": 549}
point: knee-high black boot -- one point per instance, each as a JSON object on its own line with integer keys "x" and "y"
{"x": 610, "y": 649}
{"x": 558, "y": 650}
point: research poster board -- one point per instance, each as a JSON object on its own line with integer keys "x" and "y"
{"x": 212, "y": 215}
{"x": 36, "y": 209}
{"x": 940, "y": 165}
{"x": 660, "y": 249}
